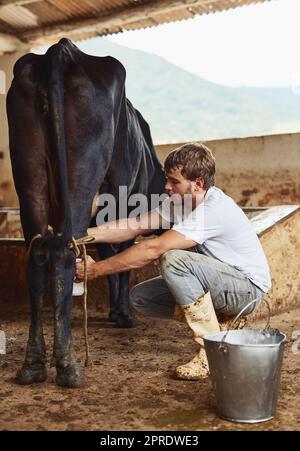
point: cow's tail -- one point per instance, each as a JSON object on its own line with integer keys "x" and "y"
{"x": 56, "y": 110}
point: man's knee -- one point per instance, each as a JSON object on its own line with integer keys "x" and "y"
{"x": 171, "y": 259}
{"x": 178, "y": 259}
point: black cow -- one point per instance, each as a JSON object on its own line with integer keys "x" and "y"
{"x": 72, "y": 131}
{"x": 149, "y": 179}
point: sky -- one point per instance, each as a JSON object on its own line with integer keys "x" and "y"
{"x": 254, "y": 45}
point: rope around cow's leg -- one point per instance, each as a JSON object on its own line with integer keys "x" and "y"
{"x": 36, "y": 237}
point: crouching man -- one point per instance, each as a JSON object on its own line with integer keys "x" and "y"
{"x": 211, "y": 259}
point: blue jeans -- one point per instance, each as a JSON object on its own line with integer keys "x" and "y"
{"x": 188, "y": 274}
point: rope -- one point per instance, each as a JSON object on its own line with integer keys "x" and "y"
{"x": 36, "y": 237}
{"x": 79, "y": 248}
{"x": 76, "y": 244}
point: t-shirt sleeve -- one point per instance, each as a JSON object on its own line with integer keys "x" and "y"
{"x": 200, "y": 225}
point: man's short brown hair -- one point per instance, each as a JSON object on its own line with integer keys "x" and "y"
{"x": 193, "y": 160}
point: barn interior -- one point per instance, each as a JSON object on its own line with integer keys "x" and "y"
{"x": 134, "y": 366}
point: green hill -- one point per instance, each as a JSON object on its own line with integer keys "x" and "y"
{"x": 180, "y": 106}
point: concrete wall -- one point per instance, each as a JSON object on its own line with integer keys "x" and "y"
{"x": 281, "y": 244}
{"x": 258, "y": 171}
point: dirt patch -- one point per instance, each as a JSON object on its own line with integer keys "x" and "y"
{"x": 131, "y": 384}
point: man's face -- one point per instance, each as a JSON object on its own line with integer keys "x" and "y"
{"x": 177, "y": 183}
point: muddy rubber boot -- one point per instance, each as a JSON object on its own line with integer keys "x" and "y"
{"x": 201, "y": 318}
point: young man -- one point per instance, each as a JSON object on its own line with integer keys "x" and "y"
{"x": 211, "y": 258}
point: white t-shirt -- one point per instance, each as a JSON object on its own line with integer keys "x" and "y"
{"x": 225, "y": 233}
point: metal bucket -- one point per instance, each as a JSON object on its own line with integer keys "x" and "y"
{"x": 245, "y": 371}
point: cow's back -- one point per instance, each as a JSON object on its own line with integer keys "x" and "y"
{"x": 63, "y": 108}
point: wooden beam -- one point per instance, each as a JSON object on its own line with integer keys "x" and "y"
{"x": 103, "y": 24}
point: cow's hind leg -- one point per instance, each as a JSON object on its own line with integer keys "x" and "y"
{"x": 34, "y": 366}
{"x": 69, "y": 374}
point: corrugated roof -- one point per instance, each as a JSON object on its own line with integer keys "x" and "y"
{"x": 45, "y": 21}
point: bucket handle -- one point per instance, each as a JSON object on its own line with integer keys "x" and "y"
{"x": 267, "y": 326}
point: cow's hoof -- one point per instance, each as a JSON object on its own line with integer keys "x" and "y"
{"x": 70, "y": 377}
{"x": 125, "y": 321}
{"x": 30, "y": 374}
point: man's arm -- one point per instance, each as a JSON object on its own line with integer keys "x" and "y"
{"x": 136, "y": 256}
{"x": 126, "y": 229}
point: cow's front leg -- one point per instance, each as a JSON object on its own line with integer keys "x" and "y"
{"x": 69, "y": 374}
{"x": 113, "y": 297}
{"x": 107, "y": 251}
{"x": 124, "y": 316}
{"x": 34, "y": 366}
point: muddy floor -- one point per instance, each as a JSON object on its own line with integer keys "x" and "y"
{"x": 130, "y": 384}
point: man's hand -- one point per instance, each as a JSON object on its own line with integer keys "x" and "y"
{"x": 91, "y": 269}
